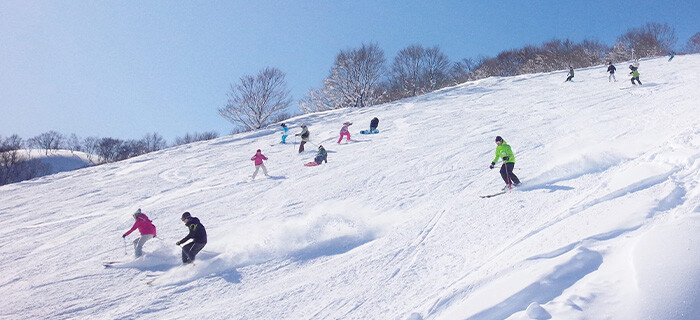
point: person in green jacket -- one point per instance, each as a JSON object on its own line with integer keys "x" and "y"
{"x": 504, "y": 152}
{"x": 635, "y": 75}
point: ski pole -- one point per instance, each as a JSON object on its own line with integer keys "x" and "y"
{"x": 125, "y": 253}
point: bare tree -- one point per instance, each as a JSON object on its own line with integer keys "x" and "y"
{"x": 73, "y": 143}
{"x": 153, "y": 142}
{"x": 194, "y": 137}
{"x": 437, "y": 69}
{"x": 14, "y": 166}
{"x": 652, "y": 39}
{"x": 461, "y": 70}
{"x": 406, "y": 71}
{"x": 51, "y": 140}
{"x": 108, "y": 149}
{"x": 354, "y": 81}
{"x": 693, "y": 44}
{"x": 90, "y": 146}
{"x": 255, "y": 100}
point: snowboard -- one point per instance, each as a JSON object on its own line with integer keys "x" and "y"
{"x": 311, "y": 164}
{"x": 369, "y": 131}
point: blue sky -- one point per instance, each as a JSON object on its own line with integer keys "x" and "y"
{"x": 126, "y": 68}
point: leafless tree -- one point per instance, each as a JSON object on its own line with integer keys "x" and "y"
{"x": 73, "y": 143}
{"x": 108, "y": 149}
{"x": 51, "y": 140}
{"x": 194, "y": 137}
{"x": 14, "y": 165}
{"x": 461, "y": 70}
{"x": 90, "y": 146}
{"x": 255, "y": 100}
{"x": 693, "y": 44}
{"x": 153, "y": 142}
{"x": 652, "y": 39}
{"x": 417, "y": 70}
{"x": 354, "y": 81}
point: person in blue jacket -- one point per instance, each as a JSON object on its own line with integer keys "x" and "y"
{"x": 284, "y": 133}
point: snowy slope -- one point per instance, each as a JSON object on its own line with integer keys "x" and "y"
{"x": 603, "y": 227}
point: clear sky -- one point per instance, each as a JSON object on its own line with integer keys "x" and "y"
{"x": 122, "y": 69}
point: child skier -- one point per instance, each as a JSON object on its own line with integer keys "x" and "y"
{"x": 611, "y": 70}
{"x": 344, "y": 131}
{"x": 284, "y": 133}
{"x": 321, "y": 156}
{"x": 503, "y": 151}
{"x": 197, "y": 233}
{"x": 570, "y": 75}
{"x": 258, "y": 160}
{"x": 146, "y": 228}
{"x": 634, "y": 74}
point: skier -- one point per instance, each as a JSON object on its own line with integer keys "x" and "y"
{"x": 258, "y": 160}
{"x": 673, "y": 54}
{"x": 146, "y": 228}
{"x": 504, "y": 152}
{"x": 611, "y": 70}
{"x": 634, "y": 74}
{"x": 304, "y": 137}
{"x": 570, "y": 75}
{"x": 284, "y": 133}
{"x": 197, "y": 233}
{"x": 344, "y": 131}
{"x": 373, "y": 124}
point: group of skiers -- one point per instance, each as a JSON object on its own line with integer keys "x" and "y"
{"x": 197, "y": 233}
{"x": 634, "y": 72}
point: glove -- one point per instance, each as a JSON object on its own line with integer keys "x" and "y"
{"x": 177, "y": 243}
{"x": 506, "y": 158}
{"x": 491, "y": 166}
{"x": 124, "y": 235}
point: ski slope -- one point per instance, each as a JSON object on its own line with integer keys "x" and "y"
{"x": 604, "y": 225}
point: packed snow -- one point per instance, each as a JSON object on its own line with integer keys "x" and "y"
{"x": 604, "y": 226}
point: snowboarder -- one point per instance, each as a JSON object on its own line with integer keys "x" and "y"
{"x": 258, "y": 160}
{"x": 504, "y": 152}
{"x": 304, "y": 137}
{"x": 373, "y": 124}
{"x": 321, "y": 156}
{"x": 611, "y": 70}
{"x": 345, "y": 132}
{"x": 284, "y": 132}
{"x": 197, "y": 233}
{"x": 146, "y": 228}
{"x": 634, "y": 74}
{"x": 570, "y": 75}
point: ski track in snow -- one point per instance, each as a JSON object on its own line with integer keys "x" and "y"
{"x": 392, "y": 227}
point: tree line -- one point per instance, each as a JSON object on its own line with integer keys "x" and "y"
{"x": 15, "y": 152}
{"x": 362, "y": 76}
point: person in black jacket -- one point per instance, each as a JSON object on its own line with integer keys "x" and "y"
{"x": 611, "y": 70}
{"x": 197, "y": 233}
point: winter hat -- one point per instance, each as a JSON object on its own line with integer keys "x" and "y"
{"x": 137, "y": 213}
{"x": 284, "y": 125}
{"x": 259, "y": 150}
{"x": 320, "y": 146}
{"x": 303, "y": 126}
{"x": 498, "y": 138}
{"x": 186, "y": 215}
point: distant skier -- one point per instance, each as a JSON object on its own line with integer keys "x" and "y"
{"x": 634, "y": 74}
{"x": 345, "y": 132}
{"x": 321, "y": 156}
{"x": 373, "y": 124}
{"x": 611, "y": 70}
{"x": 304, "y": 137}
{"x": 197, "y": 233}
{"x": 146, "y": 229}
{"x": 570, "y": 75}
{"x": 284, "y": 132}
{"x": 504, "y": 152}
{"x": 258, "y": 160}
{"x": 673, "y": 54}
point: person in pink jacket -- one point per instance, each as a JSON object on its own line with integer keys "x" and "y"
{"x": 344, "y": 131}
{"x": 258, "y": 160}
{"x": 146, "y": 228}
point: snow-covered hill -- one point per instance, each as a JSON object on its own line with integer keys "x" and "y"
{"x": 61, "y": 160}
{"x": 603, "y": 227}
